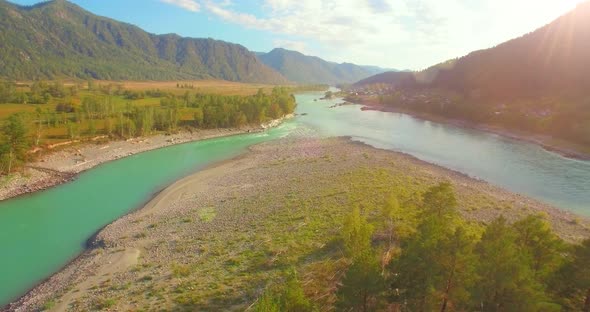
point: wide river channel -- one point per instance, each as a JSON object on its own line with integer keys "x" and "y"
{"x": 41, "y": 232}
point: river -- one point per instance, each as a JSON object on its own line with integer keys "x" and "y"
{"x": 41, "y": 232}
{"x": 518, "y": 166}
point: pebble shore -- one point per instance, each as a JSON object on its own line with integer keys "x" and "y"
{"x": 62, "y": 166}
{"x": 241, "y": 191}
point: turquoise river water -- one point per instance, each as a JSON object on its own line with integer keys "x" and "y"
{"x": 41, "y": 232}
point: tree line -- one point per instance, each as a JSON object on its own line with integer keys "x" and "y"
{"x": 560, "y": 116}
{"x": 39, "y": 92}
{"x": 428, "y": 258}
{"x": 110, "y": 113}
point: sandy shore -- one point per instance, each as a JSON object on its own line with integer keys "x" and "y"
{"x": 223, "y": 212}
{"x": 63, "y": 165}
{"x": 566, "y": 149}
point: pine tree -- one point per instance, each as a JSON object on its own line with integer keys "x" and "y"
{"x": 292, "y": 298}
{"x": 440, "y": 202}
{"x": 288, "y": 297}
{"x": 542, "y": 247}
{"x": 571, "y": 283}
{"x": 390, "y": 213}
{"x": 361, "y": 285}
{"x": 506, "y": 281}
{"x": 457, "y": 265}
{"x": 356, "y": 234}
{"x": 436, "y": 267}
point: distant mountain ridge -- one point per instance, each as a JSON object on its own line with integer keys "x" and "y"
{"x": 554, "y": 58}
{"x": 305, "y": 69}
{"x": 58, "y": 39}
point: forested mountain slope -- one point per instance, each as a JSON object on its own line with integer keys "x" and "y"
{"x": 551, "y": 59}
{"x": 59, "y": 39}
{"x": 539, "y": 82}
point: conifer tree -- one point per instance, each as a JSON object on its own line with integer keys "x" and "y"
{"x": 540, "y": 244}
{"x": 571, "y": 283}
{"x": 506, "y": 281}
{"x": 356, "y": 234}
{"x": 436, "y": 268}
{"x": 362, "y": 285}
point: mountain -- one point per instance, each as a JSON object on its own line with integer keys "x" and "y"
{"x": 305, "y": 69}
{"x": 538, "y": 83}
{"x": 59, "y": 39}
{"x": 399, "y": 79}
{"x": 553, "y": 59}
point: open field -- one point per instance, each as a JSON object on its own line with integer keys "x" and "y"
{"x": 215, "y": 240}
{"x": 200, "y": 86}
{"x": 9, "y": 109}
{"x": 209, "y": 86}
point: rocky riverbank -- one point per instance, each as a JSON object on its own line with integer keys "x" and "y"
{"x": 212, "y": 241}
{"x": 63, "y": 165}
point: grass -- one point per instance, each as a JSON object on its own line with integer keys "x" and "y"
{"x": 201, "y": 86}
{"x": 48, "y": 305}
{"x": 207, "y": 214}
{"x": 8, "y": 109}
{"x": 301, "y": 231}
{"x": 180, "y": 270}
{"x": 224, "y": 252}
{"x": 104, "y": 303}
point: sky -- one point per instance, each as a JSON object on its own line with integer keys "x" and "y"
{"x": 398, "y": 34}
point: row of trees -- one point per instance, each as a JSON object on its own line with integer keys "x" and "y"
{"x": 563, "y": 117}
{"x": 41, "y": 92}
{"x": 100, "y": 114}
{"x": 217, "y": 111}
{"x": 38, "y": 92}
{"x": 434, "y": 260}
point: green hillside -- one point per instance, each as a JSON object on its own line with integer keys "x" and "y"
{"x": 58, "y": 39}
{"x": 552, "y": 59}
{"x": 537, "y": 83}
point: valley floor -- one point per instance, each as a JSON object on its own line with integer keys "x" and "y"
{"x": 214, "y": 240}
